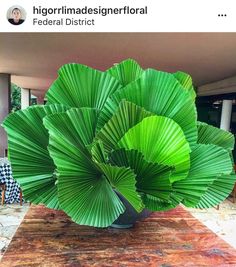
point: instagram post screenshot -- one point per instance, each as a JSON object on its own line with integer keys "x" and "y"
{"x": 117, "y": 133}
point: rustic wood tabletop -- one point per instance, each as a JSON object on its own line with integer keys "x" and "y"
{"x": 173, "y": 238}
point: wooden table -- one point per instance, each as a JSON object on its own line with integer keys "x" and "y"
{"x": 174, "y": 238}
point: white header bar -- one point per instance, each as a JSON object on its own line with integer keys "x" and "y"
{"x": 118, "y": 16}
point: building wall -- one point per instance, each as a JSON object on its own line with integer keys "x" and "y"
{"x": 4, "y": 108}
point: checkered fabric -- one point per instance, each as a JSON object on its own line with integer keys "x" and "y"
{"x": 12, "y": 193}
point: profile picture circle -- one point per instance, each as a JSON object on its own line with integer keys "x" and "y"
{"x": 16, "y": 15}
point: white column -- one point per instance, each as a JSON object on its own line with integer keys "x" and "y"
{"x": 25, "y": 98}
{"x": 226, "y": 115}
{"x": 5, "y": 93}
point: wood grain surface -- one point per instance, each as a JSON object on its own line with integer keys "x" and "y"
{"x": 174, "y": 238}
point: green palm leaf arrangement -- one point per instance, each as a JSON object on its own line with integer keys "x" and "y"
{"x": 124, "y": 132}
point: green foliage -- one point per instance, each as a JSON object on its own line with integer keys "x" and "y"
{"x": 15, "y": 97}
{"x": 126, "y": 130}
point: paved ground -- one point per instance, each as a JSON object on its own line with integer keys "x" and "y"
{"x": 10, "y": 218}
{"x": 222, "y": 221}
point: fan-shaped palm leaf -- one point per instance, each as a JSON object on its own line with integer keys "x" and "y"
{"x": 126, "y": 116}
{"x": 81, "y": 86}
{"x": 207, "y": 162}
{"x": 161, "y": 141}
{"x": 123, "y": 180}
{"x": 217, "y": 191}
{"x": 32, "y": 165}
{"x": 126, "y": 71}
{"x": 154, "y": 203}
{"x": 98, "y": 152}
{"x": 186, "y": 81}
{"x": 152, "y": 178}
{"x": 208, "y": 134}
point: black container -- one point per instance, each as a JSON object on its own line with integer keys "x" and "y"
{"x": 130, "y": 216}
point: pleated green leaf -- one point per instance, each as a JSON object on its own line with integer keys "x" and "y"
{"x": 186, "y": 81}
{"x": 217, "y": 191}
{"x": 208, "y": 134}
{"x": 152, "y": 178}
{"x": 32, "y": 165}
{"x": 160, "y": 93}
{"x": 162, "y": 141}
{"x": 126, "y": 116}
{"x": 123, "y": 180}
{"x": 98, "y": 152}
{"x": 126, "y": 71}
{"x": 154, "y": 203}
{"x": 80, "y": 130}
{"x": 80, "y": 86}
{"x": 70, "y": 136}
{"x": 84, "y": 192}
{"x": 207, "y": 162}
